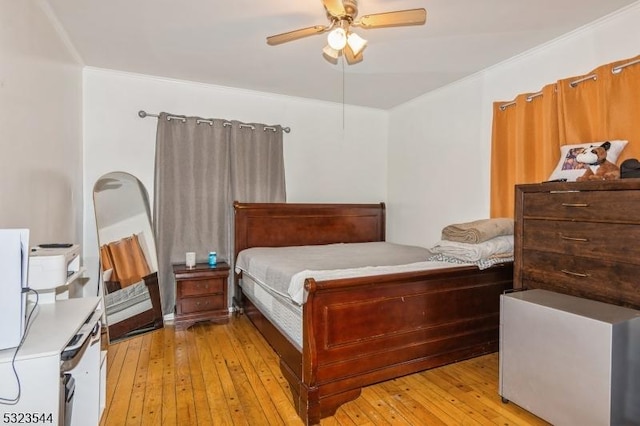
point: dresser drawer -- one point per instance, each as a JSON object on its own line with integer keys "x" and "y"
{"x": 188, "y": 288}
{"x": 601, "y": 206}
{"x": 607, "y": 241}
{"x": 199, "y": 304}
{"x": 592, "y": 278}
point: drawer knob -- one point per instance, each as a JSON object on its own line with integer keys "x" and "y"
{"x": 575, "y": 205}
{"x": 575, "y": 274}
{"x": 564, "y": 237}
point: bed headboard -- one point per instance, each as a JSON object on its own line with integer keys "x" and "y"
{"x": 284, "y": 224}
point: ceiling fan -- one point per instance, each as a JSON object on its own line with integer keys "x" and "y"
{"x": 341, "y": 40}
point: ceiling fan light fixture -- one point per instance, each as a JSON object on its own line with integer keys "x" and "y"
{"x": 350, "y": 57}
{"x": 331, "y": 55}
{"x": 356, "y": 43}
{"x": 337, "y": 38}
{"x": 331, "y": 52}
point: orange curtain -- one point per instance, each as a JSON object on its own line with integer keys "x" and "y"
{"x": 107, "y": 262}
{"x": 624, "y": 90}
{"x": 127, "y": 259}
{"x": 502, "y": 155}
{"x": 605, "y": 105}
{"x": 524, "y": 146}
{"x": 582, "y": 103}
{"x": 601, "y": 105}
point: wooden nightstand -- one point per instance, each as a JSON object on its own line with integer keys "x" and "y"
{"x": 201, "y": 293}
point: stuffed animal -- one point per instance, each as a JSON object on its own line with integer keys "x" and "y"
{"x": 598, "y": 167}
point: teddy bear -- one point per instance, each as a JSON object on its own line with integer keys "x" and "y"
{"x": 598, "y": 167}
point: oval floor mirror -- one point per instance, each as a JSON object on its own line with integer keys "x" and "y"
{"x": 128, "y": 260}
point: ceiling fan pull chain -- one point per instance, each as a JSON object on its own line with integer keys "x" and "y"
{"x": 343, "y": 79}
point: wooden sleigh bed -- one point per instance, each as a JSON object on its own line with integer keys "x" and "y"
{"x": 364, "y": 330}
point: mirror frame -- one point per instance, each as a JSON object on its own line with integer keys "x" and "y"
{"x": 125, "y": 221}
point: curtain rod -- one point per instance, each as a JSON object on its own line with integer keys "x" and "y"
{"x": 528, "y": 99}
{"x": 574, "y": 83}
{"x": 616, "y": 70}
{"x": 143, "y": 114}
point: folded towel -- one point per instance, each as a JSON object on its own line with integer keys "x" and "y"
{"x": 478, "y": 230}
{"x": 496, "y": 247}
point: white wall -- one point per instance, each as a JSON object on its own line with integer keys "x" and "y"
{"x": 440, "y": 143}
{"x": 327, "y": 159}
{"x": 40, "y": 126}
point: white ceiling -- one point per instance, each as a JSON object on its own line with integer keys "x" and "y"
{"x": 222, "y": 42}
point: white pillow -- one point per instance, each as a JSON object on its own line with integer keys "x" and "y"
{"x": 568, "y": 168}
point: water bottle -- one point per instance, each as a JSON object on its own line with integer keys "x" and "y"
{"x": 212, "y": 259}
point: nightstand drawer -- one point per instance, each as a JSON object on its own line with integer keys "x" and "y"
{"x": 199, "y": 304}
{"x": 201, "y": 287}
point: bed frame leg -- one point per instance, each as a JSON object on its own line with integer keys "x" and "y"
{"x": 311, "y": 408}
{"x": 237, "y": 307}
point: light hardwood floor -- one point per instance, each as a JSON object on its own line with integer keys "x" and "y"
{"x": 228, "y": 375}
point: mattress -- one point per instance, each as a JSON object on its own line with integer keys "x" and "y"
{"x": 280, "y": 311}
{"x": 284, "y": 269}
{"x": 273, "y": 278}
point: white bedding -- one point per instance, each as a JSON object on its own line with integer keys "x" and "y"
{"x": 499, "y": 246}
{"x": 284, "y": 269}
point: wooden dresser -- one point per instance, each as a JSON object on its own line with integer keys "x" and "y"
{"x": 201, "y": 293}
{"x": 580, "y": 238}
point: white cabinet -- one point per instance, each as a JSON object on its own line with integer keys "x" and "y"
{"x": 38, "y": 366}
{"x": 568, "y": 360}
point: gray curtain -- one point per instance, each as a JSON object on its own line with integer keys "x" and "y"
{"x": 257, "y": 164}
{"x": 201, "y": 167}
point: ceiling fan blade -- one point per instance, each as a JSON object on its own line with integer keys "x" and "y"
{"x": 334, "y": 7}
{"x": 350, "y": 57}
{"x": 393, "y": 19}
{"x": 294, "y": 35}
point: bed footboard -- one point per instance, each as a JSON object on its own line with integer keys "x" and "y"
{"x": 430, "y": 318}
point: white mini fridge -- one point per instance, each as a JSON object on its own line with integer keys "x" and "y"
{"x": 568, "y": 360}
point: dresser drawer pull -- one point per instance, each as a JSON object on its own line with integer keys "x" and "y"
{"x": 584, "y": 240}
{"x": 575, "y": 205}
{"x": 575, "y": 274}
